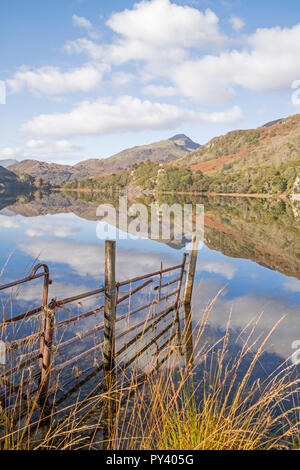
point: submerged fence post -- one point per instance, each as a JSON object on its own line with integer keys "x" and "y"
{"x": 47, "y": 282}
{"x": 110, "y": 306}
{"x": 109, "y": 343}
{"x": 187, "y": 302}
{"x": 191, "y": 271}
{"x": 49, "y": 313}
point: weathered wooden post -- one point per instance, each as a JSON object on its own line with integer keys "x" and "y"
{"x": 110, "y": 306}
{"x": 47, "y": 282}
{"x": 191, "y": 271}
{"x": 177, "y": 302}
{"x": 49, "y": 313}
{"x": 109, "y": 342}
{"x": 187, "y": 302}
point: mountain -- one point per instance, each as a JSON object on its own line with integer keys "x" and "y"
{"x": 251, "y": 160}
{"x": 7, "y": 163}
{"x": 184, "y": 142}
{"x": 163, "y": 151}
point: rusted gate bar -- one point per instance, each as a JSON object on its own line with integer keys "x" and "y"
{"x": 48, "y": 314}
{"x": 79, "y": 297}
{"x": 118, "y": 285}
{"x": 97, "y": 310}
{"x": 20, "y": 366}
{"x": 156, "y": 273}
{"x": 77, "y": 358}
{"x": 167, "y": 284}
{"x": 31, "y": 277}
{"x": 161, "y": 314}
{"x": 18, "y": 343}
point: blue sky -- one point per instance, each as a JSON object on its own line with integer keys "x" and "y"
{"x": 87, "y": 78}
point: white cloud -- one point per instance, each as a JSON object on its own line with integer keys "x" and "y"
{"x": 270, "y": 64}
{"x": 122, "y": 78}
{"x": 36, "y": 144}
{"x": 78, "y": 46}
{"x": 292, "y": 285}
{"x": 124, "y": 114}
{"x": 207, "y": 79}
{"x": 159, "y": 90}
{"x": 52, "y": 81}
{"x": 60, "y": 146}
{"x": 81, "y": 22}
{"x": 224, "y": 269}
{"x": 156, "y": 31}
{"x": 9, "y": 222}
{"x": 60, "y": 231}
{"x": 237, "y": 23}
{"x": 161, "y": 24}
{"x": 168, "y": 39}
{"x": 37, "y": 148}
{"x": 11, "y": 152}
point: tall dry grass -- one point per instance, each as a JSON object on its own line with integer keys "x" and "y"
{"x": 213, "y": 402}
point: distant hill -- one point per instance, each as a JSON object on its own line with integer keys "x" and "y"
{"x": 10, "y": 183}
{"x": 163, "y": 151}
{"x": 271, "y": 123}
{"x": 251, "y": 160}
{"x": 7, "y": 163}
{"x": 52, "y": 172}
{"x": 184, "y": 142}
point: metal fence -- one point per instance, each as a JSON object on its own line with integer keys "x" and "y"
{"x": 40, "y": 362}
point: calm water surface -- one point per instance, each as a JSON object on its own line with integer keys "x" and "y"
{"x": 250, "y": 256}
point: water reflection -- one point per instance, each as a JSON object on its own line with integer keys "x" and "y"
{"x": 251, "y": 253}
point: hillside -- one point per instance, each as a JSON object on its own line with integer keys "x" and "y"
{"x": 250, "y": 160}
{"x": 163, "y": 151}
{"x": 10, "y": 183}
{"x": 52, "y": 172}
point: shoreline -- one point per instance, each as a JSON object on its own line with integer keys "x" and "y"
{"x": 182, "y": 193}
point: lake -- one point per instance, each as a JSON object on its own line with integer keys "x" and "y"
{"x": 249, "y": 264}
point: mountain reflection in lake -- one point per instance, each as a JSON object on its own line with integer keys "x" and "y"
{"x": 250, "y": 256}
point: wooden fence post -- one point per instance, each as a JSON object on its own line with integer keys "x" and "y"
{"x": 43, "y": 318}
{"x": 191, "y": 271}
{"x": 109, "y": 343}
{"x": 47, "y": 352}
{"x": 110, "y": 305}
{"x": 187, "y": 302}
